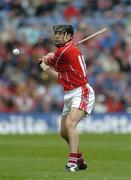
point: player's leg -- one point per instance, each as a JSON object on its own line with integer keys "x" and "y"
{"x": 64, "y": 134}
{"x": 63, "y": 130}
{"x": 73, "y": 118}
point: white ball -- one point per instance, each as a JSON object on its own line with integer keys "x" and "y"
{"x": 16, "y": 52}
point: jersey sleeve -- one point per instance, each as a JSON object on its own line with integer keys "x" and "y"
{"x": 51, "y": 59}
{"x": 54, "y": 56}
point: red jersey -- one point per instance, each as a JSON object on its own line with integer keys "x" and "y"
{"x": 70, "y": 65}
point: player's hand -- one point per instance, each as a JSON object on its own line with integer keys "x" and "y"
{"x": 46, "y": 58}
{"x": 50, "y": 55}
{"x": 44, "y": 66}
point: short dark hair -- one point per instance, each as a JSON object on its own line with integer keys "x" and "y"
{"x": 65, "y": 28}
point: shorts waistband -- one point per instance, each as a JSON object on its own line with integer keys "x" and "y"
{"x": 73, "y": 90}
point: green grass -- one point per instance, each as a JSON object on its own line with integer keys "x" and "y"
{"x": 39, "y": 157}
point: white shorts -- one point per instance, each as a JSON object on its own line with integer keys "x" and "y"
{"x": 82, "y": 98}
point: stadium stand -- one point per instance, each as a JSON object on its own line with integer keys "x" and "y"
{"x": 27, "y": 24}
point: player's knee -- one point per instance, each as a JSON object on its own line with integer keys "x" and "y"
{"x": 70, "y": 124}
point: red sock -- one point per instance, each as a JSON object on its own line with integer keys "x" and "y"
{"x": 80, "y": 158}
{"x": 73, "y": 158}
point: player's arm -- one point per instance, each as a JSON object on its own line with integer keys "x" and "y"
{"x": 49, "y": 71}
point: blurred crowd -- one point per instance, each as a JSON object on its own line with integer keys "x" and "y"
{"x": 27, "y": 24}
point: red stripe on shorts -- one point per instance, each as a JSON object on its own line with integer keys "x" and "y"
{"x": 84, "y": 99}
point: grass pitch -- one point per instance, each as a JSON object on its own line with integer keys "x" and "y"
{"x": 43, "y": 157}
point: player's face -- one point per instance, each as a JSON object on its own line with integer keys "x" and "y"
{"x": 59, "y": 38}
